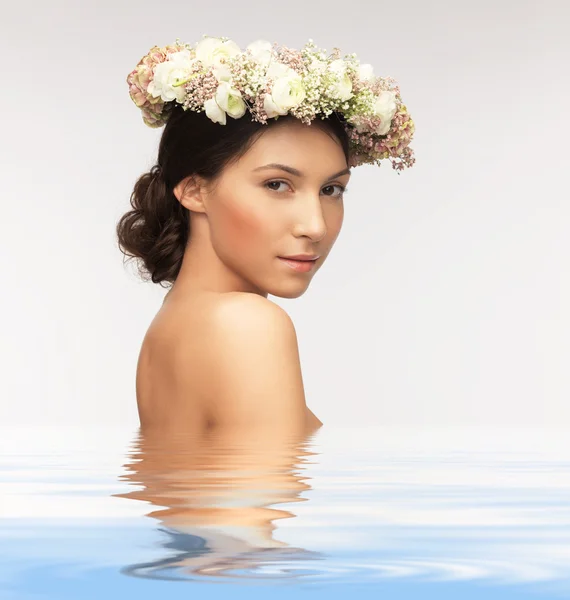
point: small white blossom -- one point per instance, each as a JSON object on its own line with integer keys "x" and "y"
{"x": 342, "y": 89}
{"x": 170, "y": 72}
{"x": 277, "y": 69}
{"x": 287, "y": 92}
{"x": 222, "y": 72}
{"x": 210, "y": 50}
{"x": 385, "y": 107}
{"x": 365, "y": 72}
{"x": 229, "y": 99}
{"x": 261, "y": 51}
{"x": 214, "y": 112}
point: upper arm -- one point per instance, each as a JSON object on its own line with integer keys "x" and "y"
{"x": 258, "y": 370}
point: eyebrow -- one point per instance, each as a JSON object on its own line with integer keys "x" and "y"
{"x": 296, "y": 172}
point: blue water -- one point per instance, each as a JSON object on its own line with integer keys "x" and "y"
{"x": 377, "y": 512}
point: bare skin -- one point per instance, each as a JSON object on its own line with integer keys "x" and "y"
{"x": 172, "y": 391}
{"x": 239, "y": 227}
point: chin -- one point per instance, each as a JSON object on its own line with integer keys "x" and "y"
{"x": 288, "y": 293}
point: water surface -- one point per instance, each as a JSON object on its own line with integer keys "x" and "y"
{"x": 377, "y": 512}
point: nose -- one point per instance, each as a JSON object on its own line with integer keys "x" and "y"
{"x": 310, "y": 220}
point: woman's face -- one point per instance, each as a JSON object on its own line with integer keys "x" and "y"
{"x": 258, "y": 213}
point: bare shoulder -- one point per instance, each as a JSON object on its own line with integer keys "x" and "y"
{"x": 246, "y": 311}
{"x": 259, "y": 378}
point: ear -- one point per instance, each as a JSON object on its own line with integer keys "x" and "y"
{"x": 191, "y": 192}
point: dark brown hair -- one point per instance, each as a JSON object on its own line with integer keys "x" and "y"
{"x": 156, "y": 230}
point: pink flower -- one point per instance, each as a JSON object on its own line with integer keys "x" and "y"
{"x": 139, "y": 79}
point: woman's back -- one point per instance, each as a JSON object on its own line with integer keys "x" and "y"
{"x": 178, "y": 366}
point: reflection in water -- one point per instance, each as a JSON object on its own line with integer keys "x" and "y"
{"x": 215, "y": 500}
{"x": 405, "y": 512}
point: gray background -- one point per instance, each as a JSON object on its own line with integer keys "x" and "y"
{"x": 445, "y": 299}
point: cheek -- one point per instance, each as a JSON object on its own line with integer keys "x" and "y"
{"x": 334, "y": 222}
{"x": 243, "y": 228}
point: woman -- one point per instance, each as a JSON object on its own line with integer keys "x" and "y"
{"x": 228, "y": 209}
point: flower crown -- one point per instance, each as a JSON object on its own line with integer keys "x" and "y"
{"x": 269, "y": 80}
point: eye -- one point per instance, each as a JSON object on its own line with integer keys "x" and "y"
{"x": 343, "y": 189}
{"x": 273, "y": 183}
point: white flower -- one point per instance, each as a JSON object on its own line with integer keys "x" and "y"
{"x": 337, "y": 66}
{"x": 170, "y": 72}
{"x": 342, "y": 89}
{"x": 261, "y": 51}
{"x": 214, "y": 112}
{"x": 222, "y": 72}
{"x": 287, "y": 92}
{"x": 365, "y": 72}
{"x": 317, "y": 66}
{"x": 385, "y": 107}
{"x": 227, "y": 100}
{"x": 355, "y": 121}
{"x": 230, "y": 100}
{"x": 277, "y": 69}
{"x": 209, "y": 50}
{"x": 271, "y": 108}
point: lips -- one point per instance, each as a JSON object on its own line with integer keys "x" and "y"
{"x": 298, "y": 259}
{"x": 302, "y": 266}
